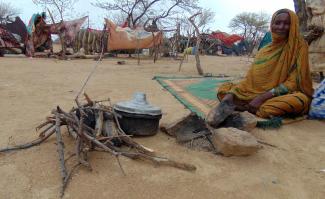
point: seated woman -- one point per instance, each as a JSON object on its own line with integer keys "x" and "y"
{"x": 278, "y": 82}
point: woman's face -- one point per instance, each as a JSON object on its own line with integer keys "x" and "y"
{"x": 281, "y": 24}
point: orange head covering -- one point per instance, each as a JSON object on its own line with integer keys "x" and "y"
{"x": 284, "y": 62}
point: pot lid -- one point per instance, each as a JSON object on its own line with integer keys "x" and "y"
{"x": 138, "y": 105}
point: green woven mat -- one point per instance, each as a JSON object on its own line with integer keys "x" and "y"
{"x": 199, "y": 94}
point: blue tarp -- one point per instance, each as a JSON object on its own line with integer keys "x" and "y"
{"x": 317, "y": 107}
{"x": 266, "y": 40}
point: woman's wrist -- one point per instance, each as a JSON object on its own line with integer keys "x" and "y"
{"x": 268, "y": 95}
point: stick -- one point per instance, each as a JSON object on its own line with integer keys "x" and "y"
{"x": 89, "y": 101}
{"x": 119, "y": 163}
{"x": 61, "y": 36}
{"x": 198, "y": 41}
{"x": 181, "y": 63}
{"x": 78, "y": 152}
{"x": 60, "y": 151}
{"x": 67, "y": 179}
{"x": 72, "y": 132}
{"x": 42, "y": 134}
{"x": 160, "y": 161}
{"x": 99, "y": 123}
{"x": 129, "y": 141}
{"x": 95, "y": 141}
{"x": 43, "y": 124}
{"x": 29, "y": 144}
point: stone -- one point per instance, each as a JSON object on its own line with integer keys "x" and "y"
{"x": 317, "y": 47}
{"x": 234, "y": 142}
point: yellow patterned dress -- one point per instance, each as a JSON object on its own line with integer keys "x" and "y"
{"x": 283, "y": 66}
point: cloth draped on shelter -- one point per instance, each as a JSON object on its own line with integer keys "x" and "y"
{"x": 32, "y": 23}
{"x": 40, "y": 32}
{"x": 127, "y": 38}
{"x": 227, "y": 39}
{"x": 7, "y": 39}
{"x": 17, "y": 28}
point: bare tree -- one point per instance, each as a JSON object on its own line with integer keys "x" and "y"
{"x": 198, "y": 41}
{"x": 202, "y": 21}
{"x": 138, "y": 11}
{"x": 250, "y": 26}
{"x": 59, "y": 8}
{"x": 205, "y": 19}
{"x": 7, "y": 12}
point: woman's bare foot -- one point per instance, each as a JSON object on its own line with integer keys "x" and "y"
{"x": 219, "y": 113}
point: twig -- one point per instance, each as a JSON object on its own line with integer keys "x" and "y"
{"x": 98, "y": 143}
{"x": 128, "y": 140}
{"x": 29, "y": 144}
{"x": 42, "y": 134}
{"x": 78, "y": 152}
{"x": 267, "y": 144}
{"x": 119, "y": 163}
{"x": 99, "y": 122}
{"x": 69, "y": 157}
{"x": 60, "y": 150}
{"x": 160, "y": 161}
{"x": 43, "y": 124}
{"x": 67, "y": 179}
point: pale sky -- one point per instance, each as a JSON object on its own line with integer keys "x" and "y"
{"x": 225, "y": 10}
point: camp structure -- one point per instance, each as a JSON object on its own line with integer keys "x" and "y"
{"x": 39, "y": 33}
{"x": 91, "y": 41}
{"x": 13, "y": 36}
{"x": 127, "y": 38}
{"x": 217, "y": 41}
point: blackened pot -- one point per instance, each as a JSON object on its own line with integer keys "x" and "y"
{"x": 138, "y": 124}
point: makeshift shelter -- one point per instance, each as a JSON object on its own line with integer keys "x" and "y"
{"x": 39, "y": 33}
{"x": 16, "y": 27}
{"x": 90, "y": 40}
{"x": 13, "y": 36}
{"x": 230, "y": 44}
{"x": 125, "y": 38}
{"x": 7, "y": 39}
{"x": 227, "y": 39}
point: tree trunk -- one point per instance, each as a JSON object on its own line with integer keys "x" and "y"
{"x": 61, "y": 36}
{"x": 198, "y": 41}
{"x": 301, "y": 10}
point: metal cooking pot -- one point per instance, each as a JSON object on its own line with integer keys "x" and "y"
{"x": 137, "y": 116}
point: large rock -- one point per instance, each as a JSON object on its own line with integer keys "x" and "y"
{"x": 232, "y": 141}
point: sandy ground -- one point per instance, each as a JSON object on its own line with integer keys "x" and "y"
{"x": 30, "y": 88}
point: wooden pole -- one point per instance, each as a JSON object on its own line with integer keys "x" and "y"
{"x": 62, "y": 40}
{"x": 198, "y": 41}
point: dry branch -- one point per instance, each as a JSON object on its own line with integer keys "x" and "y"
{"x": 29, "y": 144}
{"x": 60, "y": 150}
{"x": 87, "y": 138}
{"x": 198, "y": 41}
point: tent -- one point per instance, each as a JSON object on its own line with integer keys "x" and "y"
{"x": 227, "y": 39}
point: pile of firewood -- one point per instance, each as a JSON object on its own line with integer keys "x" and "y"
{"x": 94, "y": 126}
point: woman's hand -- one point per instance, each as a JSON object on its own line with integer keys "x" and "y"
{"x": 255, "y": 104}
